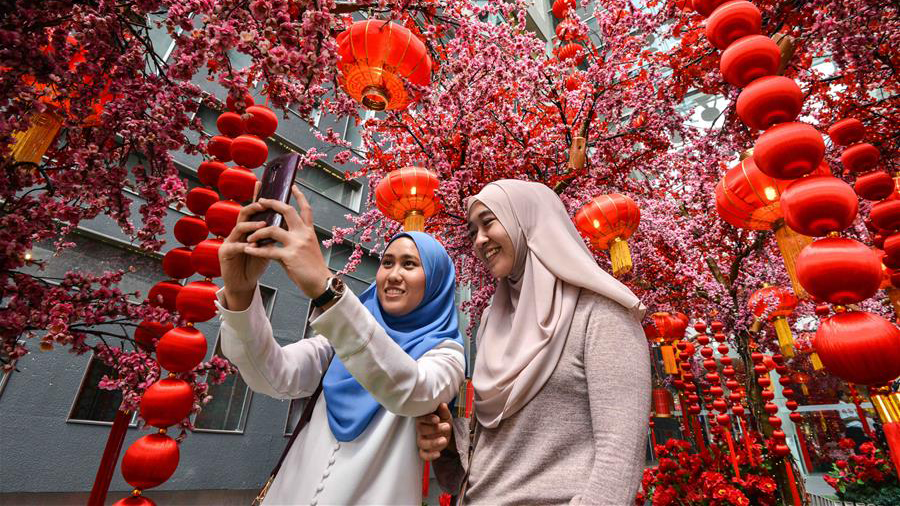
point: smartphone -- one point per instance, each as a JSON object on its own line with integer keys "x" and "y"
{"x": 276, "y": 183}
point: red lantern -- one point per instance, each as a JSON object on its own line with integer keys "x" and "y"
{"x": 877, "y": 185}
{"x": 196, "y": 301}
{"x": 664, "y": 328}
{"x": 237, "y": 183}
{"x": 789, "y": 150}
{"x": 205, "y": 258}
{"x": 892, "y": 246}
{"x": 573, "y": 82}
{"x": 249, "y": 151}
{"x": 135, "y": 500}
{"x": 259, "y": 120}
{"x": 209, "y": 172}
{"x": 860, "y": 157}
{"x": 571, "y": 51}
{"x": 662, "y": 403}
{"x": 148, "y": 331}
{"x": 565, "y": 31}
{"x": 748, "y": 59}
{"x": 220, "y": 147}
{"x": 238, "y": 105}
{"x": 859, "y": 347}
{"x": 732, "y": 21}
{"x": 181, "y": 349}
{"x": 775, "y": 304}
{"x": 150, "y": 461}
{"x": 222, "y": 216}
{"x": 199, "y": 199}
{"x": 846, "y": 131}
{"x": 608, "y": 221}
{"x": 376, "y": 57}
{"x": 407, "y": 195}
{"x": 769, "y": 100}
{"x": 707, "y": 7}
{"x": 886, "y": 214}
{"x": 839, "y": 271}
{"x": 561, "y": 7}
{"x": 817, "y": 205}
{"x": 164, "y": 294}
{"x": 167, "y": 402}
{"x": 190, "y": 230}
{"x": 230, "y": 124}
{"x": 177, "y": 263}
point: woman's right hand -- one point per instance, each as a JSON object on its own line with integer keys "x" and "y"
{"x": 240, "y": 271}
{"x": 434, "y": 433}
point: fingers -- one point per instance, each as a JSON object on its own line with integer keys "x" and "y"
{"x": 256, "y": 188}
{"x": 275, "y": 233}
{"x": 249, "y": 210}
{"x": 291, "y": 217}
{"x": 305, "y": 209}
{"x": 444, "y": 412}
{"x": 242, "y": 228}
{"x": 429, "y": 456}
{"x": 431, "y": 444}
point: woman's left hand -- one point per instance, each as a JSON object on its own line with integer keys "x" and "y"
{"x": 299, "y": 252}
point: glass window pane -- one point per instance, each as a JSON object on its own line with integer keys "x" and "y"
{"x": 92, "y": 403}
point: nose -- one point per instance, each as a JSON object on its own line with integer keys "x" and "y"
{"x": 394, "y": 274}
{"x": 480, "y": 240}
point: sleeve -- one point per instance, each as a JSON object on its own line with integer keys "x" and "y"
{"x": 288, "y": 372}
{"x": 617, "y": 369}
{"x": 450, "y": 467}
{"x": 403, "y": 385}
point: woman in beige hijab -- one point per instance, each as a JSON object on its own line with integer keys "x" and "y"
{"x": 562, "y": 373}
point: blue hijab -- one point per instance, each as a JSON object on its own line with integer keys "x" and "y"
{"x": 350, "y": 406}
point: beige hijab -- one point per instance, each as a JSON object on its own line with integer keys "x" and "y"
{"x": 524, "y": 329}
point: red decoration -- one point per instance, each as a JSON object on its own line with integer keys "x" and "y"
{"x": 167, "y": 402}
{"x": 571, "y": 51}
{"x": 181, "y": 349}
{"x": 220, "y": 147}
{"x": 407, "y": 195}
{"x": 565, "y": 30}
{"x": 249, "y": 151}
{"x": 164, "y": 294}
{"x": 205, "y": 258}
{"x": 875, "y": 185}
{"x": 748, "y": 59}
{"x": 706, "y": 7}
{"x": 732, "y": 21}
{"x": 892, "y": 246}
{"x": 607, "y": 221}
{"x": 846, "y": 131}
{"x": 561, "y": 7}
{"x": 190, "y": 230}
{"x": 230, "y": 124}
{"x": 860, "y": 157}
{"x": 573, "y": 82}
{"x": 209, "y": 172}
{"x": 177, "y": 263}
{"x": 237, "y": 183}
{"x": 239, "y": 105}
{"x": 886, "y": 214}
{"x": 789, "y": 150}
{"x": 376, "y": 57}
{"x": 148, "y": 331}
{"x": 817, "y": 205}
{"x": 135, "y": 500}
{"x": 259, "y": 120}
{"x": 769, "y": 100}
{"x": 199, "y": 199}
{"x": 662, "y": 403}
{"x": 150, "y": 461}
{"x": 838, "y": 270}
{"x": 222, "y": 216}
{"x": 859, "y": 347}
{"x": 195, "y": 302}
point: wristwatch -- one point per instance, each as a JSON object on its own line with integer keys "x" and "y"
{"x": 334, "y": 288}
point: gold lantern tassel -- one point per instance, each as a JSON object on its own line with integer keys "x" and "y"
{"x": 577, "y": 153}
{"x": 668, "y": 356}
{"x": 786, "y": 49}
{"x": 414, "y": 222}
{"x": 790, "y": 244}
{"x": 785, "y": 338}
{"x": 620, "y": 256}
{"x": 816, "y": 361}
{"x": 30, "y": 145}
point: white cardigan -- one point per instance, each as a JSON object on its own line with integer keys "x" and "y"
{"x": 382, "y": 465}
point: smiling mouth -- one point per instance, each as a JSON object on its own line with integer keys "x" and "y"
{"x": 393, "y": 292}
{"x": 491, "y": 253}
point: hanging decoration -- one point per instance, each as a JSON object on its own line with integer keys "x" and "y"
{"x": 774, "y": 304}
{"x": 607, "y": 221}
{"x": 408, "y": 195}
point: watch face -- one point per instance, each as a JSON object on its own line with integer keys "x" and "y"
{"x": 337, "y": 284}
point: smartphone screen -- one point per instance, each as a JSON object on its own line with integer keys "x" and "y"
{"x": 276, "y": 183}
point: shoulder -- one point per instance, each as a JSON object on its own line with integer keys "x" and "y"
{"x": 601, "y": 311}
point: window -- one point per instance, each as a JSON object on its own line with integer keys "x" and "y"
{"x": 332, "y": 184}
{"x": 4, "y": 375}
{"x": 227, "y": 411}
{"x": 93, "y": 404}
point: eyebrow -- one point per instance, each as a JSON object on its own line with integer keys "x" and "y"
{"x": 480, "y": 216}
{"x": 402, "y": 257}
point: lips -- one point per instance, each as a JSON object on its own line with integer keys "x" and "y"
{"x": 491, "y": 253}
{"x": 392, "y": 291}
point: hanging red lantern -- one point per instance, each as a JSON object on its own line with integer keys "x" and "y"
{"x": 249, "y": 151}
{"x": 561, "y": 7}
{"x": 164, "y": 294}
{"x": 167, "y": 402}
{"x": 571, "y": 51}
{"x": 222, "y": 216}
{"x": 148, "y": 331}
{"x": 237, "y": 183}
{"x": 608, "y": 221}
{"x": 220, "y": 147}
{"x": 230, "y": 124}
{"x": 662, "y": 403}
{"x": 859, "y": 347}
{"x": 209, "y": 172}
{"x": 565, "y": 31}
{"x": 150, "y": 461}
{"x": 748, "y": 59}
{"x": 886, "y": 214}
{"x": 240, "y": 104}
{"x": 731, "y": 22}
{"x": 817, "y": 205}
{"x": 892, "y": 246}
{"x": 706, "y": 7}
{"x": 190, "y": 230}
{"x": 196, "y": 301}
{"x": 181, "y": 349}
{"x": 205, "y": 258}
{"x": 839, "y": 270}
{"x": 177, "y": 263}
{"x": 665, "y": 328}
{"x": 789, "y": 150}
{"x": 259, "y": 120}
{"x": 775, "y": 304}
{"x": 199, "y": 199}
{"x": 407, "y": 195}
{"x": 860, "y": 157}
{"x": 573, "y": 81}
{"x": 376, "y": 57}
{"x": 135, "y": 500}
{"x": 847, "y": 131}
{"x": 769, "y": 100}
{"x": 876, "y": 185}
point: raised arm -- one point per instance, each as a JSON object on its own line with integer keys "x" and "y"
{"x": 287, "y": 372}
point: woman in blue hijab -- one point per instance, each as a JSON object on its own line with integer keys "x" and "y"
{"x": 381, "y": 359}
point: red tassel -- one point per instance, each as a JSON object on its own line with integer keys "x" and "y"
{"x": 731, "y": 454}
{"x": 470, "y": 397}
{"x": 860, "y": 413}
{"x": 425, "y": 482}
{"x": 792, "y": 482}
{"x": 892, "y": 434}
{"x": 804, "y": 450}
{"x": 110, "y": 457}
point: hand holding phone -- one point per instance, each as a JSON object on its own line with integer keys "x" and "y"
{"x": 276, "y": 185}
